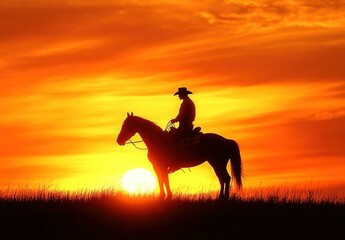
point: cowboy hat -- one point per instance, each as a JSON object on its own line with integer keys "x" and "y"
{"x": 183, "y": 90}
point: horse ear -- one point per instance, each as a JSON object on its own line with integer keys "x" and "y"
{"x": 127, "y": 114}
{"x": 132, "y": 114}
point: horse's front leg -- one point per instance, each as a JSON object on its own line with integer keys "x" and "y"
{"x": 167, "y": 185}
{"x": 160, "y": 182}
{"x": 161, "y": 189}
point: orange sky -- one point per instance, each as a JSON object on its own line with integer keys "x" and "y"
{"x": 268, "y": 74}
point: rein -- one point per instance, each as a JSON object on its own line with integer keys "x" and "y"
{"x": 169, "y": 126}
{"x": 133, "y": 143}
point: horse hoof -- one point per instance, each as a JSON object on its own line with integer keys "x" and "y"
{"x": 223, "y": 198}
{"x": 161, "y": 197}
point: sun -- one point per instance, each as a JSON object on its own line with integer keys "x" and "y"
{"x": 138, "y": 181}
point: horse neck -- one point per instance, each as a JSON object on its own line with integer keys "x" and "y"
{"x": 148, "y": 131}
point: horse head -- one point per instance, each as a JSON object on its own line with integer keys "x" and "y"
{"x": 127, "y": 131}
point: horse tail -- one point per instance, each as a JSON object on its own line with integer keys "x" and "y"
{"x": 236, "y": 163}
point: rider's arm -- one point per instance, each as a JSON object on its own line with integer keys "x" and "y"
{"x": 180, "y": 114}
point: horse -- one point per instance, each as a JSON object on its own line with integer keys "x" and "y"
{"x": 164, "y": 156}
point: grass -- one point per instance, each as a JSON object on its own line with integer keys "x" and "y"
{"x": 109, "y": 214}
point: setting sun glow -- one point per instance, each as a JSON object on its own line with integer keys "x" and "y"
{"x": 138, "y": 181}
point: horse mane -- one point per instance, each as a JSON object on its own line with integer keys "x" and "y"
{"x": 149, "y": 123}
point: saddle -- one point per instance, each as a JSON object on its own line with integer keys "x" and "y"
{"x": 182, "y": 144}
{"x": 193, "y": 138}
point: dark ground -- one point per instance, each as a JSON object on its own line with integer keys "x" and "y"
{"x": 121, "y": 218}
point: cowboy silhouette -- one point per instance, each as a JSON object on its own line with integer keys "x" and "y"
{"x": 186, "y": 115}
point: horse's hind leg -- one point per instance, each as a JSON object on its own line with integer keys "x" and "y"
{"x": 224, "y": 181}
{"x": 221, "y": 192}
{"x": 227, "y": 179}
